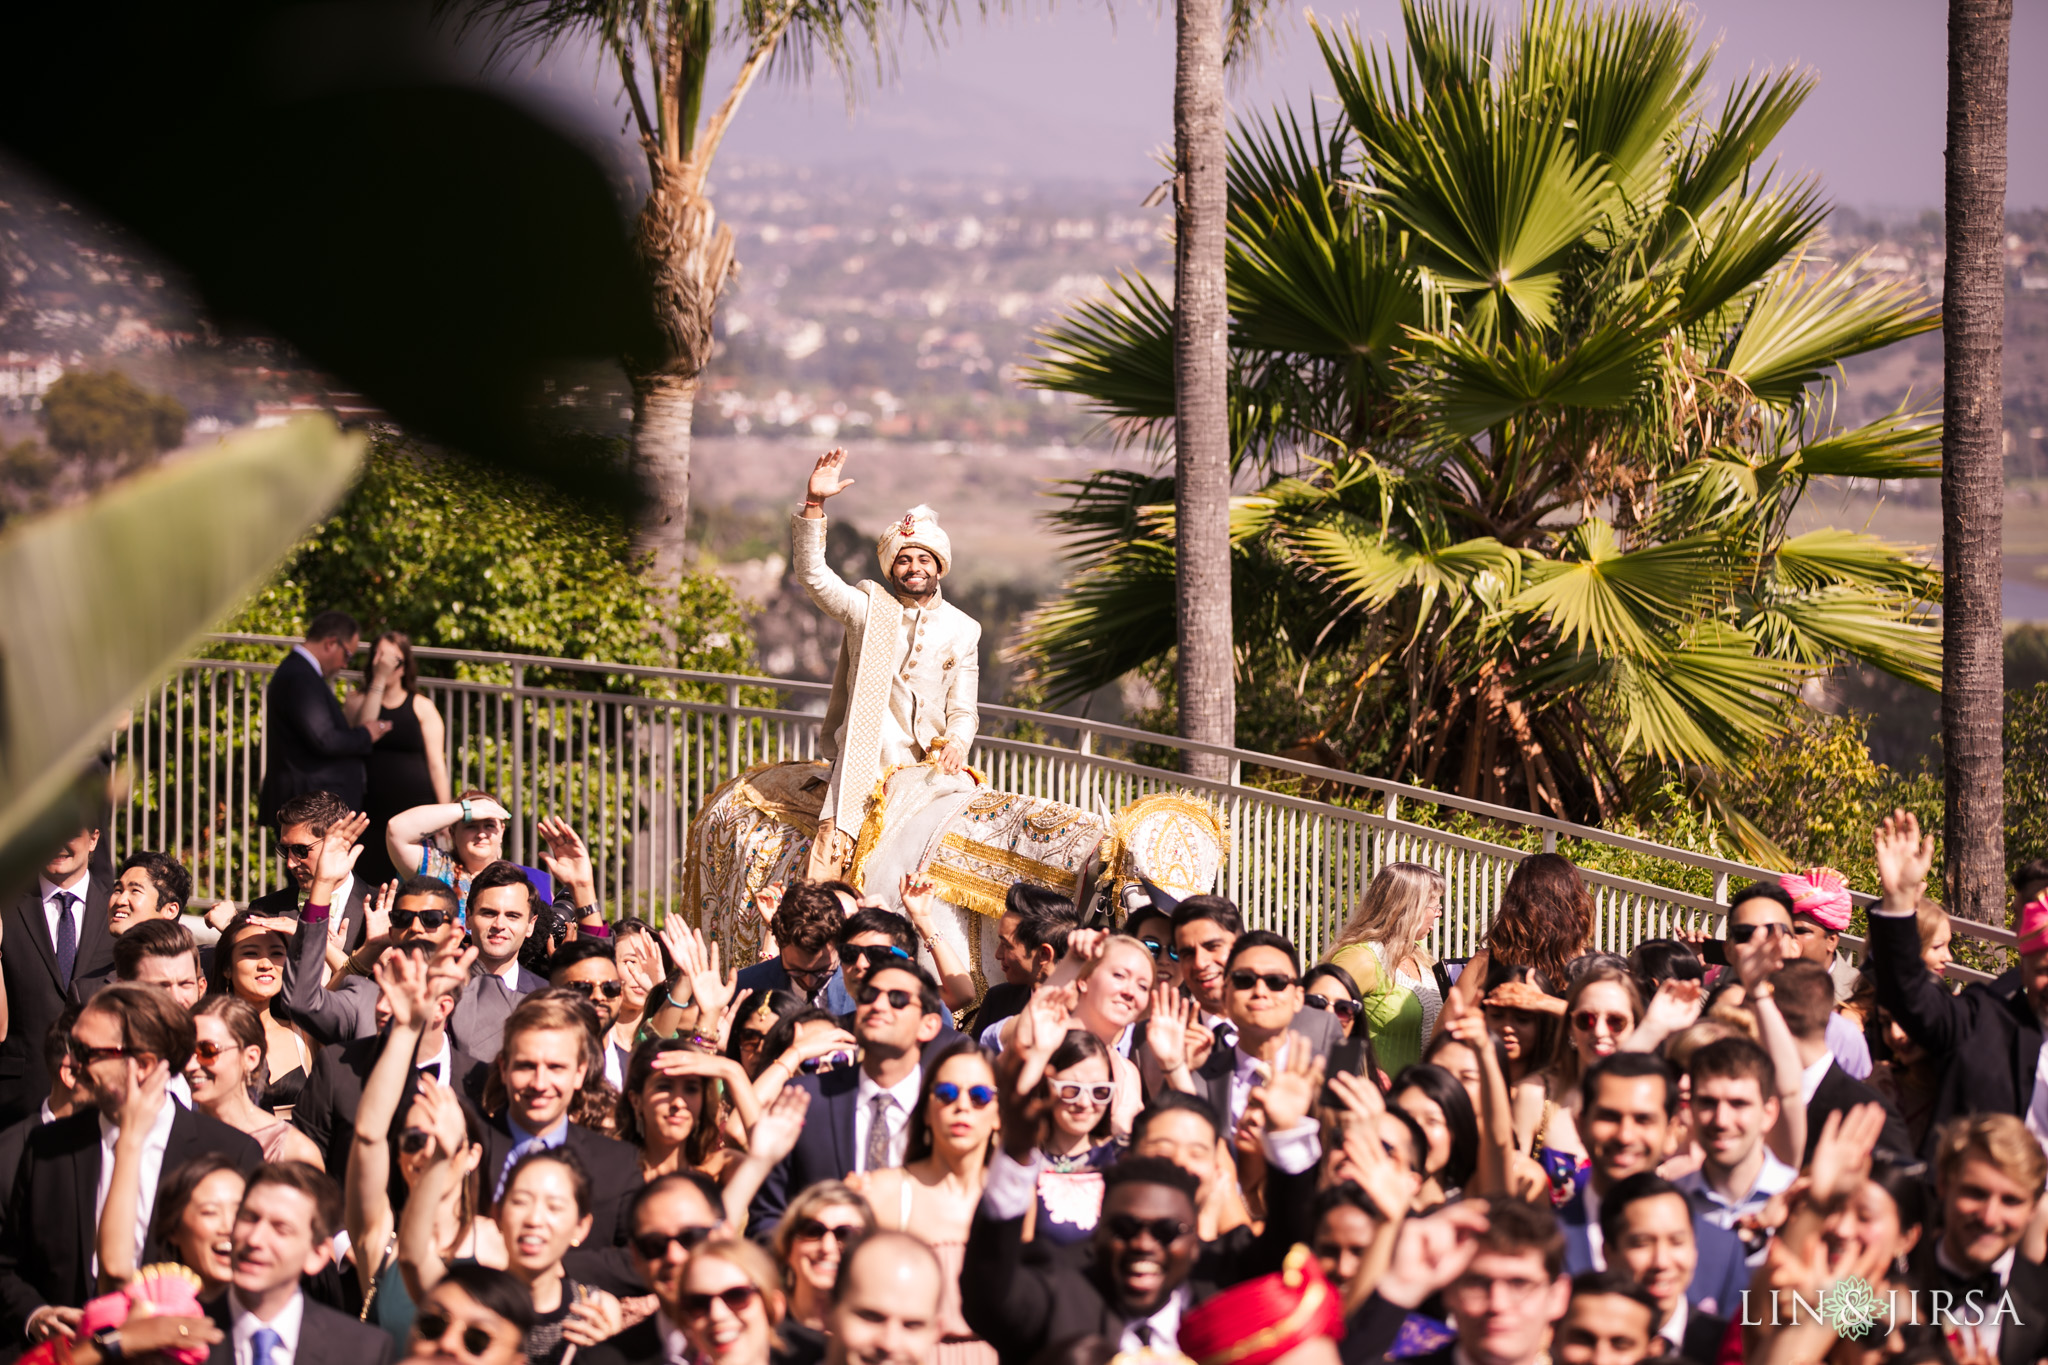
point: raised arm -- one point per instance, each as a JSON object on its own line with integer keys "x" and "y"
{"x": 1788, "y": 1136}
{"x": 956, "y": 986}
{"x": 330, "y": 1016}
{"x": 409, "y": 830}
{"x": 454, "y": 1156}
{"x": 834, "y": 595}
{"x": 1915, "y": 996}
{"x": 146, "y": 1097}
{"x": 402, "y": 976}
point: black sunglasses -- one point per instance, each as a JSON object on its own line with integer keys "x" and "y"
{"x": 875, "y": 954}
{"x": 429, "y": 920}
{"x": 652, "y": 1246}
{"x": 1165, "y": 1231}
{"x": 432, "y": 1326}
{"x": 898, "y": 1000}
{"x": 83, "y": 1056}
{"x": 1343, "y": 1006}
{"x": 1244, "y": 978}
{"x": 297, "y": 850}
{"x": 609, "y": 989}
{"x": 414, "y": 1140}
{"x": 811, "y": 1230}
{"x": 735, "y": 1300}
{"x": 1743, "y": 933}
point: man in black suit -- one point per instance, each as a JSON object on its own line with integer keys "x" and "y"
{"x": 1988, "y": 1172}
{"x": 67, "y": 1096}
{"x": 860, "y": 1116}
{"x": 125, "y": 1033}
{"x": 304, "y": 827}
{"x": 669, "y": 1218}
{"x": 804, "y": 927}
{"x": 309, "y": 744}
{"x": 284, "y": 1232}
{"x": 1610, "y": 1318}
{"x": 551, "y": 1047}
{"x": 326, "y": 1108}
{"x": 54, "y": 934}
{"x": 1806, "y": 997}
{"x": 1985, "y": 1042}
{"x": 1262, "y": 993}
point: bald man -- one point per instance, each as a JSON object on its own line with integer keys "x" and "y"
{"x": 885, "y": 1303}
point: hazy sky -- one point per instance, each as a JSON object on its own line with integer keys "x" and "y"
{"x": 1070, "y": 92}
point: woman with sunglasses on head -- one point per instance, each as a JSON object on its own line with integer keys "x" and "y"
{"x": 475, "y": 1316}
{"x": 670, "y": 1107}
{"x": 819, "y": 1227}
{"x": 731, "y": 1303}
{"x": 228, "y": 1066}
{"x": 248, "y": 963}
{"x": 1380, "y": 946}
{"x": 933, "y": 1195}
{"x": 436, "y": 1129}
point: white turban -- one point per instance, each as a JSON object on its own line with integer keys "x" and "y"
{"x": 918, "y": 527}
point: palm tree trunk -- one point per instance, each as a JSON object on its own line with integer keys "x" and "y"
{"x": 687, "y": 255}
{"x": 1201, "y": 358}
{"x": 1973, "y": 472}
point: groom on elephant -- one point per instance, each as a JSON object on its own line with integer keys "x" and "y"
{"x": 904, "y": 690}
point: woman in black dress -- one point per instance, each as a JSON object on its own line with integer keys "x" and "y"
{"x": 409, "y": 766}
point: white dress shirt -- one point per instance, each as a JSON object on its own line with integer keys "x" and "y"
{"x": 152, "y": 1171}
{"x": 1163, "y": 1327}
{"x": 307, "y": 655}
{"x": 441, "y": 1063}
{"x": 77, "y": 886}
{"x": 1810, "y": 1079}
{"x": 1596, "y": 1241}
{"x": 1673, "y": 1329}
{"x": 1245, "y": 1076}
{"x": 904, "y": 1094}
{"x": 675, "y": 1347}
{"x": 286, "y": 1325}
{"x": 1980, "y": 1319}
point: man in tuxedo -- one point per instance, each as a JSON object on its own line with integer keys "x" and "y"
{"x": 860, "y": 1116}
{"x": 127, "y": 1034}
{"x": 1988, "y": 1176}
{"x": 424, "y": 918}
{"x": 1646, "y": 1222}
{"x": 1806, "y": 997}
{"x": 304, "y": 826}
{"x": 283, "y": 1233}
{"x": 502, "y": 912}
{"x": 1630, "y": 1101}
{"x": 550, "y": 1048}
{"x": 1262, "y": 997}
{"x": 804, "y": 927}
{"x": 54, "y": 934}
{"x": 670, "y": 1217}
{"x": 309, "y": 744}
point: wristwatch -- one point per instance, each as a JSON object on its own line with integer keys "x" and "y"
{"x": 108, "y": 1342}
{"x": 466, "y": 817}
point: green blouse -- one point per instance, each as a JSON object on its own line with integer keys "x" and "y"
{"x": 1393, "y": 1013}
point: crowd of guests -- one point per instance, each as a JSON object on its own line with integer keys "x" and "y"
{"x": 460, "y": 1114}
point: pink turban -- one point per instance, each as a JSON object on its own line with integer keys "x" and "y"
{"x": 2034, "y": 924}
{"x": 1821, "y": 893}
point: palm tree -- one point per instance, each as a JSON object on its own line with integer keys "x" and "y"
{"x": 1973, "y": 455}
{"x": 661, "y": 51}
{"x": 1532, "y": 353}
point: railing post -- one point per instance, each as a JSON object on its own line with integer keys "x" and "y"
{"x": 518, "y": 831}
{"x": 1393, "y": 805}
{"x": 732, "y": 732}
{"x": 1550, "y": 841}
{"x": 1237, "y": 772}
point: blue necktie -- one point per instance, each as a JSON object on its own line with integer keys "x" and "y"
{"x": 262, "y": 1344}
{"x": 67, "y": 936}
{"x": 519, "y": 1149}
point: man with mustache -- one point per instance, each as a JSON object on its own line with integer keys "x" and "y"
{"x": 904, "y": 692}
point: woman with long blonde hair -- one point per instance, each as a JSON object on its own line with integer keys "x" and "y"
{"x": 1381, "y": 947}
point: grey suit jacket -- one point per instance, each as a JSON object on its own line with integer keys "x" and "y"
{"x": 1212, "y": 1082}
{"x": 332, "y": 1016}
{"x": 478, "y": 1024}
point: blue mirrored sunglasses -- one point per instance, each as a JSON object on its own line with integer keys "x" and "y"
{"x": 980, "y": 1096}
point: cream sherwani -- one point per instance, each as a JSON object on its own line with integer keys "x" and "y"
{"x": 936, "y": 671}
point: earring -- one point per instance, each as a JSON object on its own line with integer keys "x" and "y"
{"x": 1899, "y": 1264}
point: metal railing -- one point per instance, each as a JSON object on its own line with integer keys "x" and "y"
{"x": 631, "y": 769}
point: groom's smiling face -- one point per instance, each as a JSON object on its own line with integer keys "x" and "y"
{"x": 914, "y": 572}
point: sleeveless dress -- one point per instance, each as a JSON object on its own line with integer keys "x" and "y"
{"x": 1393, "y": 1010}
{"x": 957, "y": 1343}
{"x": 398, "y": 781}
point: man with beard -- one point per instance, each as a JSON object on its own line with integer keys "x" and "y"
{"x": 904, "y": 691}
{"x": 670, "y": 1218}
{"x": 590, "y": 967}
